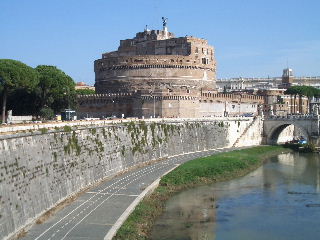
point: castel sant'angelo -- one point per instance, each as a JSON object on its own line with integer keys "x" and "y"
{"x": 156, "y": 74}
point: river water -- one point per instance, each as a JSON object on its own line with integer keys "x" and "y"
{"x": 279, "y": 200}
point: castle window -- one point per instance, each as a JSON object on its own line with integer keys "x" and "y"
{"x": 202, "y": 50}
{"x": 172, "y": 60}
{"x": 196, "y": 51}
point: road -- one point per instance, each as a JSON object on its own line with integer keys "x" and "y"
{"x": 94, "y": 213}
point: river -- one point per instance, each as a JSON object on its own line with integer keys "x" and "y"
{"x": 279, "y": 200}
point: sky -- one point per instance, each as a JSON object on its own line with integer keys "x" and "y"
{"x": 252, "y": 38}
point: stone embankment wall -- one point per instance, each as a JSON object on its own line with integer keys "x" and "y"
{"x": 40, "y": 168}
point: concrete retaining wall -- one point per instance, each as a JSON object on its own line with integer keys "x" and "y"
{"x": 41, "y": 168}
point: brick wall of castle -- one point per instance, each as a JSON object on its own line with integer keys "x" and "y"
{"x": 167, "y": 105}
{"x": 149, "y": 61}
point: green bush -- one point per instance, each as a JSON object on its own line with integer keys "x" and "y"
{"x": 46, "y": 113}
{"x": 310, "y": 147}
{"x": 67, "y": 128}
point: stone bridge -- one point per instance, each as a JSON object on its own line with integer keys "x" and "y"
{"x": 308, "y": 126}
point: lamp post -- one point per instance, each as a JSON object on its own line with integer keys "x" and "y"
{"x": 4, "y": 102}
{"x": 154, "y": 100}
{"x": 154, "y": 104}
{"x": 154, "y": 107}
{"x": 67, "y": 93}
{"x": 240, "y": 104}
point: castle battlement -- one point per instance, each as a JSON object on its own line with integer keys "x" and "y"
{"x": 156, "y": 58}
{"x": 231, "y": 97}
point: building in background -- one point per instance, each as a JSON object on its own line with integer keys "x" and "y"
{"x": 82, "y": 85}
{"x": 156, "y": 74}
{"x": 288, "y": 79}
{"x": 277, "y": 103}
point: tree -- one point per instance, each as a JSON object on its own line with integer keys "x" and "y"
{"x": 85, "y": 91}
{"x": 15, "y": 75}
{"x": 225, "y": 89}
{"x": 56, "y": 89}
{"x": 46, "y": 113}
{"x": 307, "y": 91}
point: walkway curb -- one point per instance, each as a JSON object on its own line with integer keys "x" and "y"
{"x": 112, "y": 232}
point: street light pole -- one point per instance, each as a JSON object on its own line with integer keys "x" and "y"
{"x": 4, "y": 100}
{"x": 154, "y": 106}
{"x": 240, "y": 105}
{"x": 67, "y": 92}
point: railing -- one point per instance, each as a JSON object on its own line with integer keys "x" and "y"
{"x": 293, "y": 116}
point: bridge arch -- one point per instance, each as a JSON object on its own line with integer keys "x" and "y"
{"x": 283, "y": 132}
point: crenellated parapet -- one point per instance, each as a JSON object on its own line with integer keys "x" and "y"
{"x": 237, "y": 98}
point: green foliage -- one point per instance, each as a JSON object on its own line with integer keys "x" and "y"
{"x": 43, "y": 130}
{"x": 14, "y": 76}
{"x": 293, "y": 146}
{"x": 210, "y": 168}
{"x": 55, "y": 156}
{"x": 93, "y": 131}
{"x": 224, "y": 90}
{"x": 85, "y": 91}
{"x": 29, "y": 105}
{"x": 73, "y": 145}
{"x": 123, "y": 150}
{"x": 199, "y": 171}
{"x": 42, "y": 87}
{"x": 303, "y": 91}
{"x": 67, "y": 128}
{"x": 309, "y": 147}
{"x": 46, "y": 113}
{"x": 221, "y": 124}
{"x": 56, "y": 89}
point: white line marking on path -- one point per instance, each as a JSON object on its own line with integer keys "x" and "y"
{"x": 118, "y": 194}
{"x": 119, "y": 181}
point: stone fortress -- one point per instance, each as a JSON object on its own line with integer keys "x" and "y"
{"x": 156, "y": 74}
{"x": 155, "y": 59}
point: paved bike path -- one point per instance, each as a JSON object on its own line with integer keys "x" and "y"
{"x": 94, "y": 213}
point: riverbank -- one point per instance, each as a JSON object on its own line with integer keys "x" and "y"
{"x": 196, "y": 172}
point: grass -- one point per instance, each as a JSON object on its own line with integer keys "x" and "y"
{"x": 67, "y": 128}
{"x": 43, "y": 130}
{"x": 201, "y": 171}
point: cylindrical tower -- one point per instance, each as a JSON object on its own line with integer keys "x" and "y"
{"x": 156, "y": 59}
